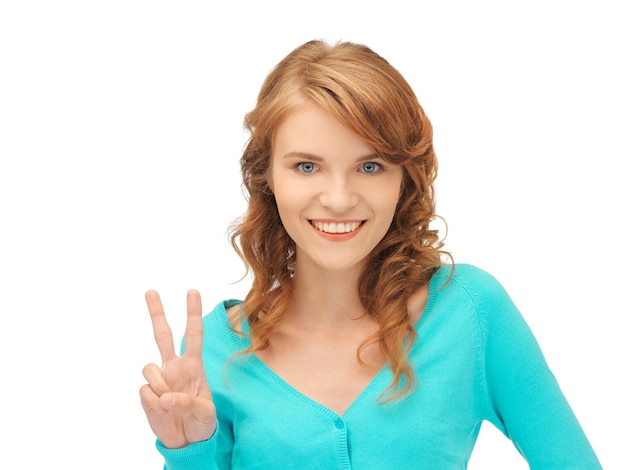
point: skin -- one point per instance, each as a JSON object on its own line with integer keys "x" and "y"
{"x": 324, "y": 173}
{"x": 177, "y": 399}
{"x": 321, "y": 173}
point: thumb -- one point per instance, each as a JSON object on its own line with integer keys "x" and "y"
{"x": 201, "y": 409}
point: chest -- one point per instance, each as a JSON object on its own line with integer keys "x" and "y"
{"x": 436, "y": 425}
{"x": 326, "y": 371}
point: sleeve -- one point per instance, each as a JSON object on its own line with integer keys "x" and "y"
{"x": 523, "y": 397}
{"x": 196, "y": 456}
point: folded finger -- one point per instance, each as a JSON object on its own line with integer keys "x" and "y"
{"x": 150, "y": 401}
{"x": 154, "y": 376}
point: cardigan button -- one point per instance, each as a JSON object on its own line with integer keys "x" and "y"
{"x": 339, "y": 424}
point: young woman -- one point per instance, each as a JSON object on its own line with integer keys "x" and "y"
{"x": 357, "y": 345}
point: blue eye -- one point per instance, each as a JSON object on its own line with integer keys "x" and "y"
{"x": 370, "y": 167}
{"x": 306, "y": 167}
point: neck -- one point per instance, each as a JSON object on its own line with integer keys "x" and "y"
{"x": 326, "y": 298}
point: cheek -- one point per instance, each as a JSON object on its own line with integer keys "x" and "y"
{"x": 289, "y": 197}
{"x": 388, "y": 203}
{"x": 391, "y": 196}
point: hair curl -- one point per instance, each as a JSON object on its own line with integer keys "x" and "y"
{"x": 371, "y": 98}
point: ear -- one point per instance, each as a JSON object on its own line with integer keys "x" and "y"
{"x": 270, "y": 180}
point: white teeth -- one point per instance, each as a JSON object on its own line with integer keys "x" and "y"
{"x": 334, "y": 227}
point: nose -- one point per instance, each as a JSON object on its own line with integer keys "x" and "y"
{"x": 338, "y": 195}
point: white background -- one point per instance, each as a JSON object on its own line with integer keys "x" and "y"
{"x": 120, "y": 133}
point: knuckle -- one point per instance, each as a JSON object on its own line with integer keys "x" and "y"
{"x": 163, "y": 335}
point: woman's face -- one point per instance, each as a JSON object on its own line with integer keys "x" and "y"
{"x": 335, "y": 197}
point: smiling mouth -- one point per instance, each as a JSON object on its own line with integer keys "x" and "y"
{"x": 336, "y": 227}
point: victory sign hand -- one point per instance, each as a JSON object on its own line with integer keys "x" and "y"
{"x": 177, "y": 399}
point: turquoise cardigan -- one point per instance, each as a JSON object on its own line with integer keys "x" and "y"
{"x": 475, "y": 359}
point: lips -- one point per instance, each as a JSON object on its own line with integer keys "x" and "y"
{"x": 336, "y": 227}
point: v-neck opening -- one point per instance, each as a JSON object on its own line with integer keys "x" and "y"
{"x": 244, "y": 342}
{"x": 284, "y": 384}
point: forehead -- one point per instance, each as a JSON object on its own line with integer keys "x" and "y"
{"x": 312, "y": 129}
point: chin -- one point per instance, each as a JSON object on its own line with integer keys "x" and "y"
{"x": 340, "y": 265}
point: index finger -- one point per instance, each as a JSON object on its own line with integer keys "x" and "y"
{"x": 162, "y": 331}
{"x": 194, "y": 331}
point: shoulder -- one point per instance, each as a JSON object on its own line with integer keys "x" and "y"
{"x": 474, "y": 288}
{"x": 223, "y": 311}
{"x": 467, "y": 277}
{"x": 221, "y": 321}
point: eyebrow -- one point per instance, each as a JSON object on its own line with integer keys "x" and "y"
{"x": 315, "y": 158}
